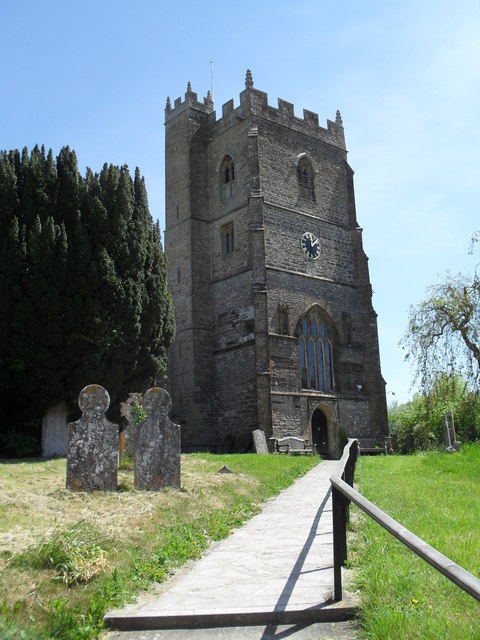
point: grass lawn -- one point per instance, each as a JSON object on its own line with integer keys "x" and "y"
{"x": 437, "y": 497}
{"x": 67, "y": 557}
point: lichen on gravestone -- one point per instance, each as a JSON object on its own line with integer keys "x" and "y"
{"x": 92, "y": 444}
{"x": 157, "y": 448}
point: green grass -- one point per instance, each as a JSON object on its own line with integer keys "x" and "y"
{"x": 104, "y": 548}
{"x": 437, "y": 497}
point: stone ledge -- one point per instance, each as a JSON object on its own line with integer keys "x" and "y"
{"x": 196, "y": 619}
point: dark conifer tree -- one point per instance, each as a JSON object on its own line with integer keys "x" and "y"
{"x": 83, "y": 280}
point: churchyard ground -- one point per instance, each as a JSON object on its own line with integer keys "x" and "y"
{"x": 437, "y": 496}
{"x": 65, "y": 557}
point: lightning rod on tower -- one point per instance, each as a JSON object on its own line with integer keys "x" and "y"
{"x": 211, "y": 79}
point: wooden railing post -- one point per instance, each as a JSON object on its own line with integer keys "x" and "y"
{"x": 339, "y": 541}
{"x": 343, "y": 494}
{"x": 340, "y": 513}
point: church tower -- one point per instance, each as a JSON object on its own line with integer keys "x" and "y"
{"x": 270, "y": 283}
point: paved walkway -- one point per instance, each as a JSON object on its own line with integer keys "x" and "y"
{"x": 275, "y": 570}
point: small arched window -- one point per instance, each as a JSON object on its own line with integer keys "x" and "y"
{"x": 227, "y": 174}
{"x": 316, "y": 356}
{"x": 227, "y": 239}
{"x": 305, "y": 174}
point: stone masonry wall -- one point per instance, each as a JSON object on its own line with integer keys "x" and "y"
{"x": 235, "y": 364}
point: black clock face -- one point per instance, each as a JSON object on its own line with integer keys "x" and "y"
{"x": 310, "y": 245}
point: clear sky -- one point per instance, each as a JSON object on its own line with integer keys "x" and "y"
{"x": 95, "y": 75}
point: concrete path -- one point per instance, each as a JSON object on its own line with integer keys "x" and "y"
{"x": 275, "y": 570}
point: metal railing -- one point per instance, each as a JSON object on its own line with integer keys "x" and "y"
{"x": 343, "y": 494}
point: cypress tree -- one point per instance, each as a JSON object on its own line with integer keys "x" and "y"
{"x": 8, "y": 192}
{"x": 157, "y": 320}
{"x": 13, "y": 314}
{"x": 83, "y": 276}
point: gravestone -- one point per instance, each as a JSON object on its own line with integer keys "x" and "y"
{"x": 127, "y": 436}
{"x": 92, "y": 444}
{"x": 259, "y": 441}
{"x": 54, "y": 431}
{"x": 389, "y": 445}
{"x": 456, "y": 444}
{"x": 157, "y": 444}
{"x": 408, "y": 445}
{"x": 447, "y": 435}
{"x": 395, "y": 443}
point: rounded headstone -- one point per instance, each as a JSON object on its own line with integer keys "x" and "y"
{"x": 94, "y": 399}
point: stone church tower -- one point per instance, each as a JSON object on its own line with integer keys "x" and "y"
{"x": 273, "y": 302}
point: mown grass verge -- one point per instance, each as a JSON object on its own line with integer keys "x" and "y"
{"x": 65, "y": 558}
{"x": 437, "y": 497}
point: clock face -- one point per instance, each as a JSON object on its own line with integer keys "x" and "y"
{"x": 310, "y": 245}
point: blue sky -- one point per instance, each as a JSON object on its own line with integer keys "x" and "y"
{"x": 95, "y": 75}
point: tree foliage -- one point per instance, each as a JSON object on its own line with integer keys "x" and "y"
{"x": 83, "y": 281}
{"x": 420, "y": 419}
{"x": 443, "y": 335}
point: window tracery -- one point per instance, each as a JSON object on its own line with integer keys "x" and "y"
{"x": 316, "y": 355}
{"x": 227, "y": 238}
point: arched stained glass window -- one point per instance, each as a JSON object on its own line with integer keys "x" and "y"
{"x": 316, "y": 360}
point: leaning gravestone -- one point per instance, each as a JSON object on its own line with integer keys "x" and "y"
{"x": 456, "y": 444}
{"x": 157, "y": 444}
{"x": 259, "y": 441}
{"x": 92, "y": 444}
{"x": 447, "y": 435}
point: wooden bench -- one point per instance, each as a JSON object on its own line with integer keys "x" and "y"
{"x": 293, "y": 446}
{"x": 371, "y": 446}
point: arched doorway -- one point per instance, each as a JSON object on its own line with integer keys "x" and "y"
{"x": 320, "y": 432}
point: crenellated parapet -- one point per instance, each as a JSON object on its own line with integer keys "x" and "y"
{"x": 254, "y": 103}
{"x": 190, "y": 101}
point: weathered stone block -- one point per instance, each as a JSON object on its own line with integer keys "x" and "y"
{"x": 92, "y": 444}
{"x": 157, "y": 446}
{"x": 54, "y": 431}
{"x": 259, "y": 441}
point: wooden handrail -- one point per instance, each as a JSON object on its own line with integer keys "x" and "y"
{"x": 343, "y": 493}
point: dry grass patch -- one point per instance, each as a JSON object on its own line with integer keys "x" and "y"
{"x": 34, "y": 501}
{"x": 66, "y": 556}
